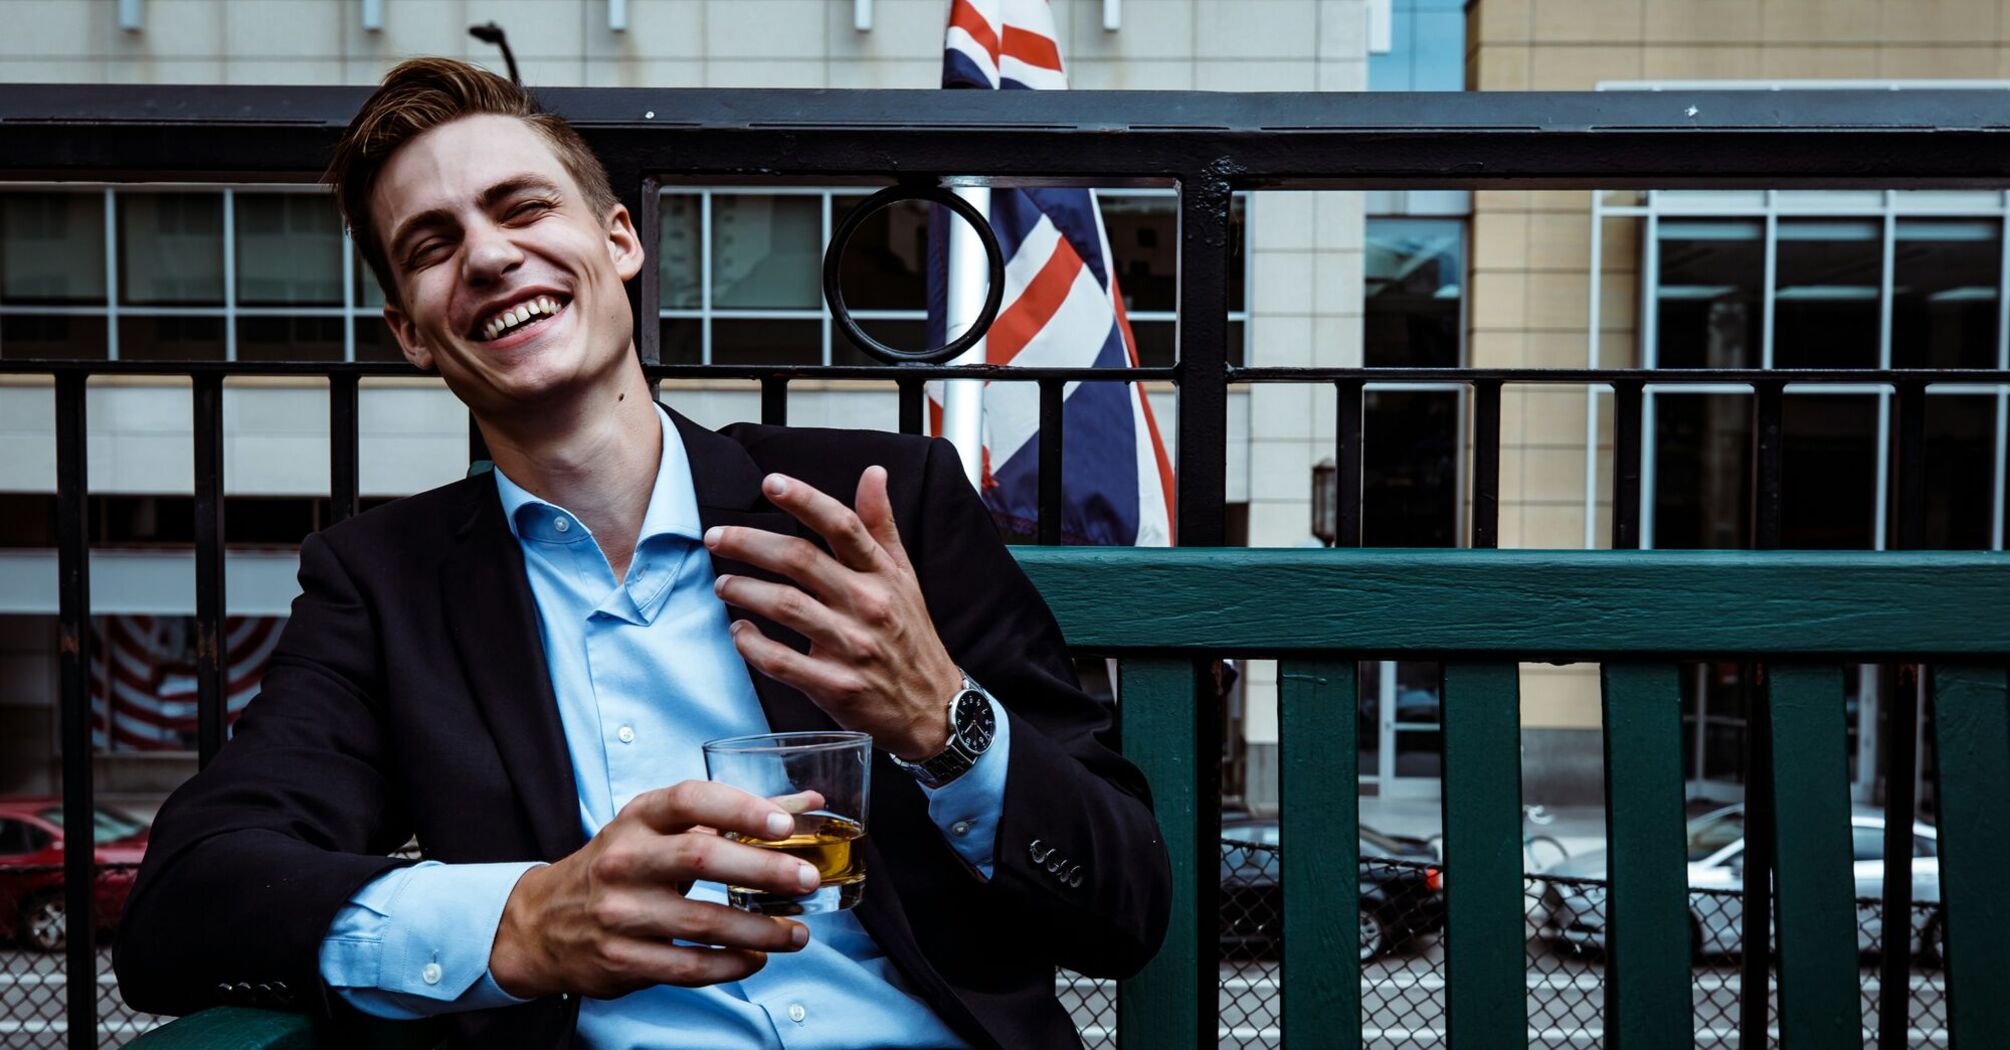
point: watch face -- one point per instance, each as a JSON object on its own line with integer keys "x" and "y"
{"x": 974, "y": 723}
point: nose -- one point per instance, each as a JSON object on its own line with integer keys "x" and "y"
{"x": 489, "y": 255}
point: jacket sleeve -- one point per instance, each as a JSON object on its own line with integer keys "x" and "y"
{"x": 250, "y": 860}
{"x": 1078, "y": 858}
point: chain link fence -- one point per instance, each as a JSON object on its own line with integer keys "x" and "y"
{"x": 1402, "y": 945}
{"x": 1403, "y": 967}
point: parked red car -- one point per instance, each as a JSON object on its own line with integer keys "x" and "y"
{"x": 31, "y": 868}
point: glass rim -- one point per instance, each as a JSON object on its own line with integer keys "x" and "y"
{"x": 789, "y": 743}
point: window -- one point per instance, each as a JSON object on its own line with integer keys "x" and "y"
{"x": 253, "y": 273}
{"x": 1866, "y": 843}
{"x": 18, "y": 838}
{"x": 1427, "y": 48}
{"x": 741, "y": 270}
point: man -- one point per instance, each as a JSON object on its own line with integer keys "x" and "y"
{"x": 518, "y": 670}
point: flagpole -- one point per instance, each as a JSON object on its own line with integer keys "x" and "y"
{"x": 963, "y": 399}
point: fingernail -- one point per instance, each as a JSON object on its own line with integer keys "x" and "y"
{"x": 799, "y": 935}
{"x": 779, "y": 825}
{"x": 807, "y": 875}
{"x": 712, "y": 536}
{"x": 736, "y": 627}
{"x": 719, "y": 584}
{"x": 776, "y": 485}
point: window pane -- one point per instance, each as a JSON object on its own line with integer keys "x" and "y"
{"x": 374, "y": 341}
{"x": 1866, "y": 843}
{"x": 289, "y": 249}
{"x": 171, "y": 248}
{"x": 1825, "y": 310}
{"x": 1409, "y": 465}
{"x": 1413, "y": 290}
{"x": 289, "y": 338}
{"x": 1707, "y": 305}
{"x": 170, "y": 338}
{"x": 885, "y": 266}
{"x": 679, "y": 341}
{"x": 1702, "y": 470}
{"x": 1828, "y": 474}
{"x": 682, "y": 268}
{"x": 1960, "y": 470}
{"x": 368, "y": 292}
{"x": 1144, "y": 240}
{"x": 767, "y": 342}
{"x": 1945, "y": 274}
{"x": 1156, "y": 343}
{"x": 58, "y": 338}
{"x": 767, "y": 252}
{"x": 52, "y": 248}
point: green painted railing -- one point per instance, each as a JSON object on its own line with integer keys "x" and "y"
{"x": 1483, "y": 612}
{"x": 1800, "y": 614}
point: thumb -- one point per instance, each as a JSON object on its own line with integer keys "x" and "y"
{"x": 875, "y": 510}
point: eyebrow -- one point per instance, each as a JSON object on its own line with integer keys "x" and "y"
{"x": 488, "y": 199}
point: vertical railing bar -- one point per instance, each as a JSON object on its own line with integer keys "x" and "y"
{"x": 1319, "y": 853}
{"x": 74, "y": 660}
{"x": 1647, "y": 976}
{"x": 1171, "y": 736}
{"x": 1485, "y": 937}
{"x": 648, "y": 207}
{"x": 1204, "y": 200}
{"x": 912, "y": 403}
{"x": 1820, "y": 1004}
{"x": 1894, "y": 1000}
{"x": 1629, "y": 409}
{"x": 344, "y": 487}
{"x": 775, "y": 400}
{"x": 1755, "y": 979}
{"x": 1050, "y": 437}
{"x": 1971, "y": 717}
{"x": 1350, "y": 421}
{"x": 209, "y": 567}
{"x": 1486, "y": 462}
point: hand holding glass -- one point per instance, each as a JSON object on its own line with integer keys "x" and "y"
{"x": 836, "y": 766}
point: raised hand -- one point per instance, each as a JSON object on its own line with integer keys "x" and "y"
{"x": 875, "y": 663}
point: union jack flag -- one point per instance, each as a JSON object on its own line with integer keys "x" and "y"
{"x": 143, "y": 684}
{"x": 1061, "y": 308}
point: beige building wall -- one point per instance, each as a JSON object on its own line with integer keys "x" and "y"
{"x": 1531, "y": 250}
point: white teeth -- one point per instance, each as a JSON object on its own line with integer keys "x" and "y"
{"x": 522, "y": 312}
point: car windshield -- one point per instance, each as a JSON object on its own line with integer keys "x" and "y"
{"x": 1376, "y": 844}
{"x": 109, "y": 825}
{"x": 1711, "y": 834}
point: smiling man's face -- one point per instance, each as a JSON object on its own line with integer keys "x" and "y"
{"x": 510, "y": 285}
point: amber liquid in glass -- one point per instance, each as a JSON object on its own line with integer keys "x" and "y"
{"x": 833, "y": 845}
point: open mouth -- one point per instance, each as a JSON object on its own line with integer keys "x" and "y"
{"x": 519, "y": 317}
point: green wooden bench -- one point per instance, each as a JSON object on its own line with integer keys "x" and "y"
{"x": 1481, "y": 613}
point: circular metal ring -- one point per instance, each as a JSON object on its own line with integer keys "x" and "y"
{"x": 834, "y": 288}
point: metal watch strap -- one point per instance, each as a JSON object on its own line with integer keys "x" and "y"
{"x": 954, "y": 759}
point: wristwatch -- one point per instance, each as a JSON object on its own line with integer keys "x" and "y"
{"x": 971, "y": 726}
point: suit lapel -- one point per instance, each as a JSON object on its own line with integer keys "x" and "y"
{"x": 492, "y": 619}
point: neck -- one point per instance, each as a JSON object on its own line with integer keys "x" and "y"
{"x": 595, "y": 454}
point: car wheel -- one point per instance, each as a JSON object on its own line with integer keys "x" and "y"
{"x": 1374, "y": 935}
{"x": 42, "y": 924}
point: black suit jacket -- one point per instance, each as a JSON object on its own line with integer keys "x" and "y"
{"x": 409, "y": 697}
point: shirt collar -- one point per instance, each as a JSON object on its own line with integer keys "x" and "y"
{"x": 672, "y": 511}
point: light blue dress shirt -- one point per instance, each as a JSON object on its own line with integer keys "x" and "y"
{"x": 645, "y": 671}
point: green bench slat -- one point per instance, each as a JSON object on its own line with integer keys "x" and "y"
{"x": 1647, "y": 901}
{"x": 1972, "y": 721}
{"x": 1486, "y": 952}
{"x": 1168, "y": 1003}
{"x": 1320, "y": 859}
{"x": 1820, "y": 1003}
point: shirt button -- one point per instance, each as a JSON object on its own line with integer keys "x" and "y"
{"x": 961, "y": 827}
{"x": 431, "y": 974}
{"x": 626, "y": 734}
{"x": 562, "y": 525}
{"x": 797, "y": 1013}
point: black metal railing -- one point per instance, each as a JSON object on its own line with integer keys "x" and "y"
{"x": 1207, "y": 146}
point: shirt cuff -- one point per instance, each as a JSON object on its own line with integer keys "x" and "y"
{"x": 415, "y": 941}
{"x": 969, "y": 808}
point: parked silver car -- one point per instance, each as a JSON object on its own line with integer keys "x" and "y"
{"x": 1573, "y": 913}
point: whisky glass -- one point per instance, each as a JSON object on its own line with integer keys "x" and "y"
{"x": 830, "y": 837}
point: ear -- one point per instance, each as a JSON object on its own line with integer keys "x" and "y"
{"x": 408, "y": 338}
{"x": 624, "y": 245}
